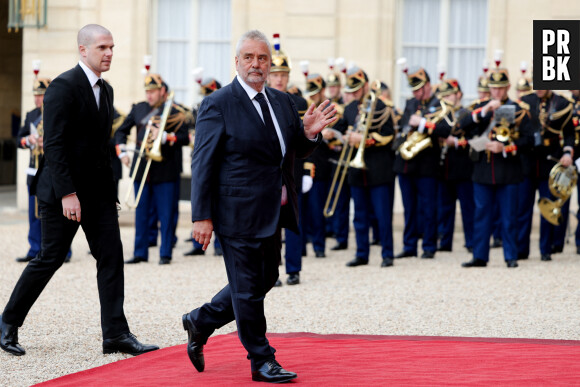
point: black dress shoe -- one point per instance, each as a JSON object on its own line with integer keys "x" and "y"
{"x": 428, "y": 255}
{"x": 278, "y": 283}
{"x": 475, "y": 263}
{"x": 469, "y": 249}
{"x": 387, "y": 262}
{"x": 357, "y": 262}
{"x": 127, "y": 343}
{"x": 320, "y": 254}
{"x": 194, "y": 251}
{"x": 340, "y": 246}
{"x": 25, "y": 259}
{"x": 195, "y": 343}
{"x": 9, "y": 339}
{"x": 375, "y": 242}
{"x": 164, "y": 261}
{"x": 135, "y": 260}
{"x": 512, "y": 263}
{"x": 496, "y": 243}
{"x": 293, "y": 279}
{"x": 67, "y": 259}
{"x": 272, "y": 372}
{"x": 153, "y": 244}
{"x": 405, "y": 254}
{"x": 557, "y": 249}
{"x": 578, "y": 250}
{"x": 546, "y": 257}
{"x": 442, "y": 248}
{"x": 522, "y": 256}
{"x": 217, "y": 251}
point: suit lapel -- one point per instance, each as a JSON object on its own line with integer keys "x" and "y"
{"x": 242, "y": 97}
{"x": 87, "y": 91}
{"x": 279, "y": 113}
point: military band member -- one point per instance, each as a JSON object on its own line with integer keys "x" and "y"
{"x": 524, "y": 85}
{"x": 324, "y": 159}
{"x": 551, "y": 122}
{"x": 425, "y": 121}
{"x": 455, "y": 172}
{"x": 207, "y": 85}
{"x": 372, "y": 181}
{"x": 295, "y": 242}
{"x": 504, "y": 127}
{"x": 162, "y": 180}
{"x": 30, "y": 137}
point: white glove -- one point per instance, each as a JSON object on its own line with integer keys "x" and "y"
{"x": 306, "y": 183}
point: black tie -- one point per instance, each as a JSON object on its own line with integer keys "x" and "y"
{"x": 268, "y": 119}
{"x": 103, "y": 105}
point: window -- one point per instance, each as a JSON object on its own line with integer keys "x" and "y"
{"x": 189, "y": 34}
{"x": 449, "y": 32}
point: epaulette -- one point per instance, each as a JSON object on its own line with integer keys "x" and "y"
{"x": 473, "y": 104}
{"x": 523, "y": 105}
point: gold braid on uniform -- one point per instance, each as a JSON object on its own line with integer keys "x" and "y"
{"x": 566, "y": 112}
{"x": 442, "y": 114}
{"x": 176, "y": 120}
{"x": 477, "y": 102}
{"x": 117, "y": 122}
{"x": 379, "y": 119}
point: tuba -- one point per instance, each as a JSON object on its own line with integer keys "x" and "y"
{"x": 365, "y": 118}
{"x": 561, "y": 182}
{"x": 152, "y": 153}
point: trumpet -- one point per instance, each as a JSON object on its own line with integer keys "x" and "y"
{"x": 152, "y": 153}
{"x": 366, "y": 114}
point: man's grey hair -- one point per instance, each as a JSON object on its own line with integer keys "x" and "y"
{"x": 88, "y": 33}
{"x": 253, "y": 35}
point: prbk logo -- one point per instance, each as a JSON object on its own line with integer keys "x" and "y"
{"x": 556, "y": 55}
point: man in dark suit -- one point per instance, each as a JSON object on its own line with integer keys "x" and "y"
{"x": 247, "y": 137}
{"x": 75, "y": 186}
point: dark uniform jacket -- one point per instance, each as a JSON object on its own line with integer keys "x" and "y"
{"x": 32, "y": 117}
{"x": 455, "y": 164}
{"x": 552, "y": 127}
{"x": 495, "y": 168}
{"x": 378, "y": 155}
{"x": 576, "y": 123}
{"x": 426, "y": 162}
{"x": 299, "y": 171}
{"x": 179, "y": 121}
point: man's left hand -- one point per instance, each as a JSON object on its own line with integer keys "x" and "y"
{"x": 317, "y": 118}
{"x": 71, "y": 207}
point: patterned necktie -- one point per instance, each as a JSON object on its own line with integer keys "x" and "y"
{"x": 268, "y": 119}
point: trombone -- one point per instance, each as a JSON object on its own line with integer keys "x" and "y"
{"x": 366, "y": 114}
{"x": 153, "y": 153}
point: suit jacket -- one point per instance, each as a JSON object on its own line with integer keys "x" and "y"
{"x": 76, "y": 139}
{"x": 237, "y": 167}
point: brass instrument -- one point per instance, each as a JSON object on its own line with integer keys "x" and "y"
{"x": 152, "y": 153}
{"x": 417, "y": 142}
{"x": 561, "y": 182}
{"x": 366, "y": 114}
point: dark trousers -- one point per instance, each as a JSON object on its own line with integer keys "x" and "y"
{"x": 526, "y": 201}
{"x": 419, "y": 194}
{"x": 486, "y": 196}
{"x": 316, "y": 200}
{"x": 295, "y": 243}
{"x": 34, "y": 227}
{"x": 449, "y": 193}
{"x": 252, "y": 269}
{"x": 378, "y": 200}
{"x": 101, "y": 227}
{"x": 161, "y": 197}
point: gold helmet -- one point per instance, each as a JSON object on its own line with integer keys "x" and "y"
{"x": 417, "y": 78}
{"x": 524, "y": 83}
{"x": 209, "y": 85}
{"x": 314, "y": 84}
{"x": 280, "y": 61}
{"x": 154, "y": 81}
{"x": 355, "y": 79}
{"x": 498, "y": 77}
{"x": 447, "y": 87}
{"x": 40, "y": 85}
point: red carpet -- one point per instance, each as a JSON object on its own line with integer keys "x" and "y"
{"x": 353, "y": 360}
